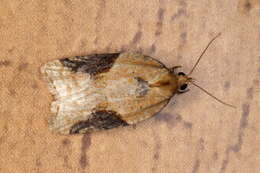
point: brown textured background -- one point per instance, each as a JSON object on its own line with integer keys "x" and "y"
{"x": 192, "y": 134}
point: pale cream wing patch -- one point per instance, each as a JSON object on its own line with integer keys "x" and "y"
{"x": 62, "y": 81}
{"x": 74, "y": 94}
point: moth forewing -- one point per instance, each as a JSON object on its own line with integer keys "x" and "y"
{"x": 104, "y": 91}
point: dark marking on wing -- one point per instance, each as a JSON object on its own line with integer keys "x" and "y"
{"x": 79, "y": 126}
{"x": 92, "y": 64}
{"x": 143, "y": 87}
{"x": 101, "y": 120}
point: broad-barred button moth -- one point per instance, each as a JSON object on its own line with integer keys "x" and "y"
{"x": 104, "y": 91}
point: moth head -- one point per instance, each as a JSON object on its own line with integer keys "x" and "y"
{"x": 183, "y": 79}
{"x": 183, "y": 82}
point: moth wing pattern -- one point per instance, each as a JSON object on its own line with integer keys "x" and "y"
{"x": 73, "y": 98}
{"x": 106, "y": 91}
{"x": 130, "y": 94}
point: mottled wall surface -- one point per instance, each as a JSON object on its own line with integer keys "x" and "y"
{"x": 194, "y": 133}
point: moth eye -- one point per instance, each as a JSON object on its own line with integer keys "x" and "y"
{"x": 183, "y": 88}
{"x": 181, "y": 74}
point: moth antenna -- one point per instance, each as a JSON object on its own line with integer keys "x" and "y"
{"x": 203, "y": 53}
{"x": 212, "y": 95}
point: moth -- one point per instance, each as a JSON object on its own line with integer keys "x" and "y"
{"x": 104, "y": 91}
